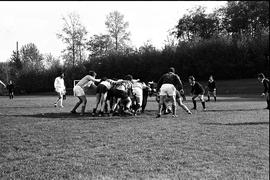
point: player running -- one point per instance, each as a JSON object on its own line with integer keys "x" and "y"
{"x": 60, "y": 88}
{"x": 266, "y": 91}
{"x": 211, "y": 88}
{"x": 196, "y": 91}
{"x": 79, "y": 91}
{"x": 167, "y": 86}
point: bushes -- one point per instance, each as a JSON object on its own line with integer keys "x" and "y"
{"x": 220, "y": 57}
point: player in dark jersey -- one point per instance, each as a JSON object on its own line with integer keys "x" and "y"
{"x": 167, "y": 86}
{"x": 211, "y": 88}
{"x": 266, "y": 90}
{"x": 10, "y": 88}
{"x": 196, "y": 91}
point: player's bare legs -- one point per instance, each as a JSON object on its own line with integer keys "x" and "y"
{"x": 160, "y": 104}
{"x": 98, "y": 96}
{"x": 60, "y": 98}
{"x": 103, "y": 101}
{"x": 182, "y": 105}
{"x": 81, "y": 100}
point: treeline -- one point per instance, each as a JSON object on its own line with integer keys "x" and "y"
{"x": 230, "y": 43}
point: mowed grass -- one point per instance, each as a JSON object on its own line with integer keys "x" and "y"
{"x": 228, "y": 141}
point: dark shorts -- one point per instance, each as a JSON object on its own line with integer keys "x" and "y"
{"x": 120, "y": 94}
{"x": 101, "y": 89}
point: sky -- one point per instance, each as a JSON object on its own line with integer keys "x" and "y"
{"x": 38, "y": 22}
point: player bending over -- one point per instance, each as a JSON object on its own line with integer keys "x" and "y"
{"x": 179, "y": 100}
{"x": 138, "y": 97}
{"x": 167, "y": 86}
{"x": 196, "y": 91}
{"x": 266, "y": 91}
{"x": 122, "y": 92}
{"x": 101, "y": 94}
{"x": 79, "y": 91}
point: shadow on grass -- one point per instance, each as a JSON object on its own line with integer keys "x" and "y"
{"x": 232, "y": 110}
{"x": 236, "y": 124}
{"x": 25, "y": 107}
{"x": 86, "y": 116}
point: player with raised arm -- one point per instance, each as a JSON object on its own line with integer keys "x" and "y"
{"x": 79, "y": 91}
{"x": 266, "y": 90}
{"x": 60, "y": 88}
{"x": 196, "y": 91}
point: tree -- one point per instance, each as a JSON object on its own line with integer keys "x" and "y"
{"x": 246, "y": 18}
{"x": 31, "y": 58}
{"x": 99, "y": 45}
{"x": 15, "y": 61}
{"x": 74, "y": 36}
{"x": 197, "y": 24}
{"x": 50, "y": 61}
{"x": 117, "y": 29}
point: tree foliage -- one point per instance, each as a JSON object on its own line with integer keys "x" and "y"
{"x": 74, "y": 36}
{"x": 117, "y": 29}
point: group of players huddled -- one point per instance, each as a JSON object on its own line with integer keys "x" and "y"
{"x": 128, "y": 96}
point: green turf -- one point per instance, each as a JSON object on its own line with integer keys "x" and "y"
{"x": 228, "y": 141}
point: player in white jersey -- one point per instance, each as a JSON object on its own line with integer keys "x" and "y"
{"x": 60, "y": 88}
{"x": 79, "y": 90}
{"x": 137, "y": 91}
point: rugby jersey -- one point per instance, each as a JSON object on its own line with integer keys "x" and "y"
{"x": 170, "y": 78}
{"x": 197, "y": 89}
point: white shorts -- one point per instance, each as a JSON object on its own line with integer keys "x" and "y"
{"x": 61, "y": 91}
{"x": 78, "y": 91}
{"x": 138, "y": 93}
{"x": 167, "y": 90}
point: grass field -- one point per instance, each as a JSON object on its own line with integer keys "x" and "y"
{"x": 228, "y": 141}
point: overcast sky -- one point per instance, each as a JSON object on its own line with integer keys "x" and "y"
{"x": 38, "y": 21}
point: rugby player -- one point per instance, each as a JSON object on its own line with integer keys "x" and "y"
{"x": 102, "y": 91}
{"x": 10, "y": 88}
{"x": 79, "y": 90}
{"x": 138, "y": 95}
{"x": 167, "y": 86}
{"x": 266, "y": 91}
{"x": 60, "y": 88}
{"x": 196, "y": 91}
{"x": 122, "y": 92}
{"x": 211, "y": 88}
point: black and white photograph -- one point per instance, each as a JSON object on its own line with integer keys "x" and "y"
{"x": 134, "y": 90}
